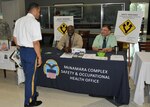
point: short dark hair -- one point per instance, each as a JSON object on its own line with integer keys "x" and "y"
{"x": 108, "y": 26}
{"x": 33, "y": 5}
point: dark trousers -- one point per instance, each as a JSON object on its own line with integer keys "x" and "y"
{"x": 28, "y": 60}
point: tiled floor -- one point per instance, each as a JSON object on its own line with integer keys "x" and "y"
{"x": 12, "y": 95}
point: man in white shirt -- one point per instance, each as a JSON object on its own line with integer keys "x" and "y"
{"x": 27, "y": 34}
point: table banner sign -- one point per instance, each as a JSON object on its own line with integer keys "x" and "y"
{"x": 80, "y": 74}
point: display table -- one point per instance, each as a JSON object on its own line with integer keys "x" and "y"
{"x": 95, "y": 77}
{"x": 140, "y": 73}
{"x": 5, "y": 62}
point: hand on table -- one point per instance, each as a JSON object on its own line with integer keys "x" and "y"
{"x": 67, "y": 50}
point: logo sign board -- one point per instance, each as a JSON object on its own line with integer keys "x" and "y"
{"x": 128, "y": 26}
{"x": 60, "y": 26}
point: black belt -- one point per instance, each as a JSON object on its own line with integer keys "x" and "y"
{"x": 25, "y": 47}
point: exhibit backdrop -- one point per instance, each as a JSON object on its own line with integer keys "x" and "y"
{"x": 60, "y": 26}
{"x": 128, "y": 26}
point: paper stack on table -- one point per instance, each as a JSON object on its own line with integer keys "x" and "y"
{"x": 93, "y": 56}
{"x": 88, "y": 56}
{"x": 66, "y": 55}
{"x": 117, "y": 57}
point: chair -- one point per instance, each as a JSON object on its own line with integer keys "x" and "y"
{"x": 85, "y": 36}
{"x": 120, "y": 45}
{"x": 144, "y": 46}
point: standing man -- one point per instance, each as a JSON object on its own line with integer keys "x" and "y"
{"x": 71, "y": 40}
{"x": 27, "y": 34}
{"x": 105, "y": 41}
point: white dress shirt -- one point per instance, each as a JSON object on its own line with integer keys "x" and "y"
{"x": 27, "y": 29}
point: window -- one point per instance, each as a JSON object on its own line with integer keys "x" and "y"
{"x": 85, "y": 15}
{"x": 44, "y": 17}
{"x": 75, "y": 10}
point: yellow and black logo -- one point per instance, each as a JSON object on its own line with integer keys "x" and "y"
{"x": 127, "y": 27}
{"x": 62, "y": 28}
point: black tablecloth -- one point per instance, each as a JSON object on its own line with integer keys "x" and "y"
{"x": 96, "y": 77}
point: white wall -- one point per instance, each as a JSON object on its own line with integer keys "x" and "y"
{"x": 21, "y": 7}
{"x": 12, "y": 10}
